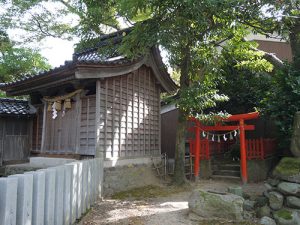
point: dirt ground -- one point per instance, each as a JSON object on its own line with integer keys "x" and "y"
{"x": 158, "y": 205}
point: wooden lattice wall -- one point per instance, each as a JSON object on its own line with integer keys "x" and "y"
{"x": 129, "y": 115}
{"x": 87, "y": 125}
{"x": 129, "y": 122}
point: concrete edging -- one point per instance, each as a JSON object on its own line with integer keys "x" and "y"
{"x": 53, "y": 196}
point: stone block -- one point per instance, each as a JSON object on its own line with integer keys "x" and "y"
{"x": 24, "y": 198}
{"x": 248, "y": 205}
{"x": 273, "y": 181}
{"x": 94, "y": 180}
{"x": 50, "y": 188}
{"x": 210, "y": 205}
{"x": 275, "y": 200}
{"x": 269, "y": 187}
{"x": 67, "y": 220}
{"x": 84, "y": 185}
{"x": 289, "y": 188}
{"x": 73, "y": 190}
{"x": 79, "y": 189}
{"x": 89, "y": 184}
{"x": 263, "y": 211}
{"x": 100, "y": 177}
{"x": 267, "y": 221}
{"x": 8, "y": 200}
{"x": 293, "y": 202}
{"x": 38, "y": 198}
{"x": 59, "y": 195}
{"x": 286, "y": 217}
{"x": 288, "y": 169}
{"x": 261, "y": 201}
{"x": 236, "y": 191}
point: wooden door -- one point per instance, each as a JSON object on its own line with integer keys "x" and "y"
{"x": 61, "y": 132}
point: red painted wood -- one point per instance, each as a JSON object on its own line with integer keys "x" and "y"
{"x": 203, "y": 150}
{"x": 197, "y": 150}
{"x": 225, "y": 128}
{"x": 246, "y": 116}
{"x": 243, "y": 152}
{"x": 260, "y": 148}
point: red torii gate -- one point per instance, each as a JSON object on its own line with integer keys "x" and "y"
{"x": 218, "y": 127}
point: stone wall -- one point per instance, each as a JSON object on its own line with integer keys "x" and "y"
{"x": 282, "y": 196}
{"x": 283, "y": 202}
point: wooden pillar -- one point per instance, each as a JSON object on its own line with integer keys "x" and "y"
{"x": 43, "y": 141}
{"x": 99, "y": 152}
{"x": 243, "y": 152}
{"x": 197, "y": 150}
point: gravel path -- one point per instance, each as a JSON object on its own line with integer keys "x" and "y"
{"x": 168, "y": 210}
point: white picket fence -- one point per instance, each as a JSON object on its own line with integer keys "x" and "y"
{"x": 53, "y": 196}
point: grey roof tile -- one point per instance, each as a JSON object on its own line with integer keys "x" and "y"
{"x": 15, "y": 107}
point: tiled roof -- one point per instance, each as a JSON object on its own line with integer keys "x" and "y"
{"x": 15, "y": 107}
{"x": 109, "y": 58}
{"x": 111, "y": 40}
{"x": 87, "y": 56}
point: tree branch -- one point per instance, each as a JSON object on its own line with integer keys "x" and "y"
{"x": 270, "y": 57}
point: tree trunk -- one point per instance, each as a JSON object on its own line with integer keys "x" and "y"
{"x": 179, "y": 172}
{"x": 295, "y": 42}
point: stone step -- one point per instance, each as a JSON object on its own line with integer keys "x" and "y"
{"x": 226, "y": 178}
{"x": 227, "y": 173}
{"x": 234, "y": 167}
{"x": 2, "y": 171}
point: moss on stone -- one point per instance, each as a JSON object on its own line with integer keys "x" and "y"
{"x": 222, "y": 222}
{"x": 288, "y": 167}
{"x": 284, "y": 214}
{"x": 150, "y": 191}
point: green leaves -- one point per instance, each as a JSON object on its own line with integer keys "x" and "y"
{"x": 198, "y": 98}
{"x": 282, "y": 101}
{"x": 17, "y": 62}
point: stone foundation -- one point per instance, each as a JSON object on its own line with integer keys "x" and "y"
{"x": 128, "y": 174}
{"x": 259, "y": 170}
{"x": 205, "y": 170}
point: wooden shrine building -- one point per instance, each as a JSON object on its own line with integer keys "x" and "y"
{"x": 15, "y": 130}
{"x": 97, "y": 105}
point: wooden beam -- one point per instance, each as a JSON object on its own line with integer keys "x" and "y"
{"x": 98, "y": 153}
{"x": 105, "y": 124}
{"x": 132, "y": 115}
{"x": 98, "y": 71}
{"x": 37, "y": 129}
{"x": 140, "y": 71}
{"x": 44, "y": 127}
{"x": 246, "y": 116}
{"x": 78, "y": 121}
{"x": 144, "y": 116}
{"x": 127, "y": 106}
{"x": 120, "y": 115}
{"x": 225, "y": 128}
{"x": 113, "y": 119}
{"x": 159, "y": 122}
{"x": 243, "y": 152}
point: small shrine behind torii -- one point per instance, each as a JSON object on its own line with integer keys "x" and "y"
{"x": 240, "y": 128}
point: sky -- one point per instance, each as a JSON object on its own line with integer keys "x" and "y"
{"x": 57, "y": 51}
